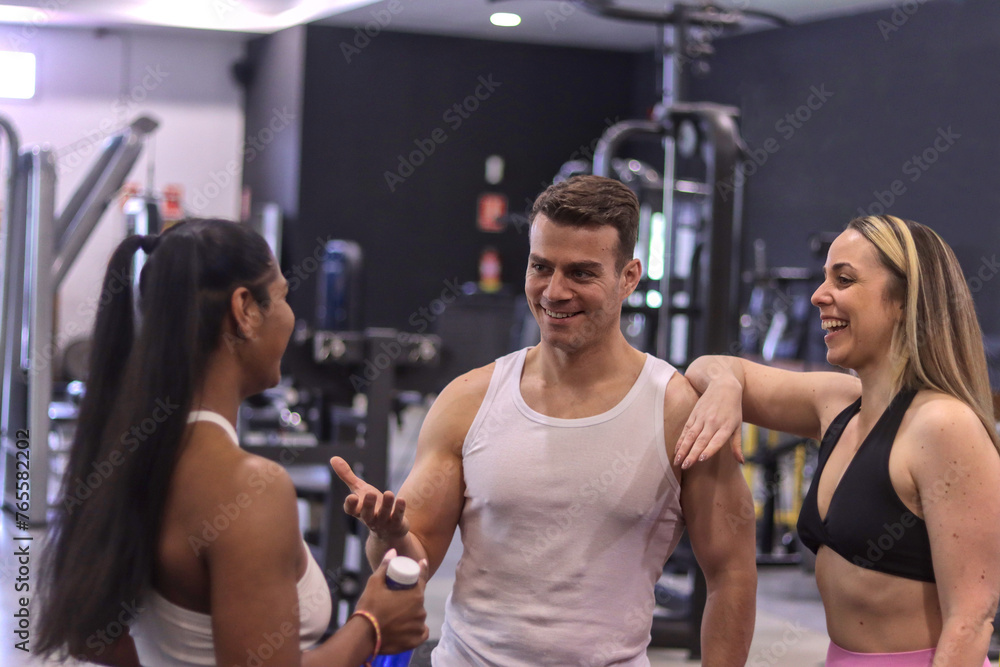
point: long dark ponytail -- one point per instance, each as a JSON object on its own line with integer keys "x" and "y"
{"x": 142, "y": 378}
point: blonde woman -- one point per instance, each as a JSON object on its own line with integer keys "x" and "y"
{"x": 903, "y": 509}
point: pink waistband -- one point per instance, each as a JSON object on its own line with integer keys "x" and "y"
{"x": 838, "y": 657}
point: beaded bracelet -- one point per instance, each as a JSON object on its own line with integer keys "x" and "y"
{"x": 378, "y": 633}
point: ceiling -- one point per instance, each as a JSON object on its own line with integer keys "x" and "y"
{"x": 563, "y": 22}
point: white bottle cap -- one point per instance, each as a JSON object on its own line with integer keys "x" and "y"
{"x": 403, "y": 571}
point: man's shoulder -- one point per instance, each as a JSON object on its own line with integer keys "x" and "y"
{"x": 461, "y": 399}
{"x": 471, "y": 385}
{"x": 456, "y": 406}
{"x": 678, "y": 401}
{"x": 679, "y": 398}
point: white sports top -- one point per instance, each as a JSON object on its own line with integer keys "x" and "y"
{"x": 167, "y": 635}
{"x": 566, "y": 526}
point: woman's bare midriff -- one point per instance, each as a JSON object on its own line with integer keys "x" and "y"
{"x": 873, "y": 612}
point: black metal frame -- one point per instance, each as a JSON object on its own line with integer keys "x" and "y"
{"x": 714, "y": 284}
{"x": 344, "y": 354}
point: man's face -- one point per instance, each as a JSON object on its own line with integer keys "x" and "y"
{"x": 571, "y": 283}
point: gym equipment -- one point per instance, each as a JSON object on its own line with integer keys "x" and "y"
{"x": 777, "y": 320}
{"x": 778, "y": 492}
{"x": 775, "y": 329}
{"x": 347, "y": 383}
{"x": 142, "y": 216}
{"x": 689, "y": 239}
{"x": 37, "y": 249}
{"x": 338, "y": 301}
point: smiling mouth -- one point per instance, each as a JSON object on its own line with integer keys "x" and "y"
{"x": 834, "y": 325}
{"x": 558, "y": 316}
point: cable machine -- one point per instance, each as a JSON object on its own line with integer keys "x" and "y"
{"x": 37, "y": 250}
{"x": 691, "y": 245}
{"x": 687, "y": 302}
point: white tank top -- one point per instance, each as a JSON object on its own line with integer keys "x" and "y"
{"x": 566, "y": 526}
{"x": 167, "y": 635}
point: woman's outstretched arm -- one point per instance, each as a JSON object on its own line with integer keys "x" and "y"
{"x": 734, "y": 390}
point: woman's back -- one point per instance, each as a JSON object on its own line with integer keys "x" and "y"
{"x": 206, "y": 497}
{"x": 214, "y": 487}
{"x": 201, "y": 535}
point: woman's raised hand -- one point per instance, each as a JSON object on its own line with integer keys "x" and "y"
{"x": 717, "y": 418}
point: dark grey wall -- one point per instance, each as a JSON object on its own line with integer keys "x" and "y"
{"x": 271, "y": 162}
{"x": 363, "y": 106}
{"x": 537, "y": 107}
{"x": 902, "y": 101}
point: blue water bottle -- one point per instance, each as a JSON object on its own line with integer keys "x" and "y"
{"x": 401, "y": 574}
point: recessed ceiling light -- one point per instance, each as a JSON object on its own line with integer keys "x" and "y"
{"x": 505, "y": 19}
{"x": 18, "y": 81}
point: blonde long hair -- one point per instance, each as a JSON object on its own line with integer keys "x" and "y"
{"x": 938, "y": 343}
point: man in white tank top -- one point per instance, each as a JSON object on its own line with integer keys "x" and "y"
{"x": 555, "y": 463}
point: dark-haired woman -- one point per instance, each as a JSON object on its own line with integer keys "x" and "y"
{"x": 197, "y": 535}
{"x": 903, "y": 508}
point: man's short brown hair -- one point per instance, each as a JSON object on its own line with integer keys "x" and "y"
{"x": 593, "y": 201}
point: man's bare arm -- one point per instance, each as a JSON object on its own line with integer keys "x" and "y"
{"x": 420, "y": 522}
{"x": 718, "y": 511}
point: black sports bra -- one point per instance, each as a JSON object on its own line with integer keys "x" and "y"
{"x": 866, "y": 522}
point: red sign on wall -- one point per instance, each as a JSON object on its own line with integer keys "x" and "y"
{"x": 492, "y": 208}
